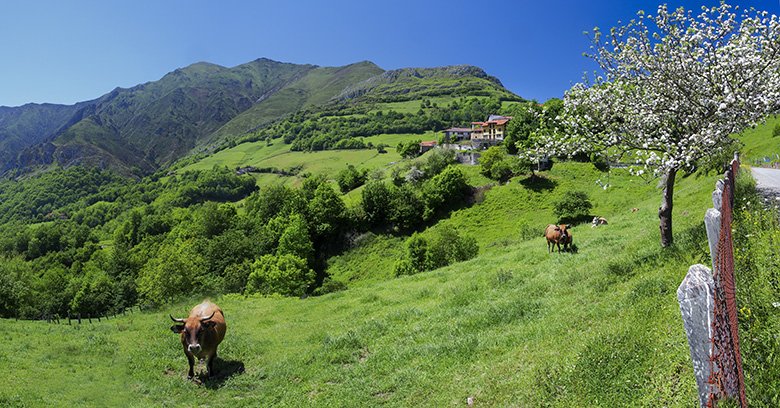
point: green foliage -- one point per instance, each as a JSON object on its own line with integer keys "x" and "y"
{"x": 286, "y": 275}
{"x": 295, "y": 239}
{"x": 327, "y": 214}
{"x": 445, "y": 191}
{"x": 172, "y": 273}
{"x": 572, "y": 206}
{"x": 351, "y": 178}
{"x": 56, "y": 193}
{"x": 756, "y": 238}
{"x": 776, "y": 130}
{"x": 376, "y": 202}
{"x": 600, "y": 162}
{"x": 406, "y": 208}
{"x": 409, "y": 149}
{"x": 495, "y": 163}
{"x": 445, "y": 247}
{"x": 220, "y": 184}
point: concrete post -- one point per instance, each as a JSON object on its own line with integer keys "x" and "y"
{"x": 696, "y": 298}
{"x": 712, "y": 224}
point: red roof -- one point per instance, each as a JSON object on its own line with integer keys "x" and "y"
{"x": 430, "y": 143}
{"x": 457, "y": 129}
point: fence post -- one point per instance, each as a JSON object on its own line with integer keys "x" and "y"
{"x": 696, "y": 298}
{"x": 79, "y": 316}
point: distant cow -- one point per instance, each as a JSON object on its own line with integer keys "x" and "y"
{"x": 598, "y": 221}
{"x": 566, "y": 238}
{"x": 556, "y": 235}
{"x": 201, "y": 333}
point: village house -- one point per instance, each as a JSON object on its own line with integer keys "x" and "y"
{"x": 490, "y": 132}
{"x": 456, "y": 134}
{"x": 425, "y": 146}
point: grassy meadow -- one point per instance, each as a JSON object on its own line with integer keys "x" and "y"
{"x": 514, "y": 326}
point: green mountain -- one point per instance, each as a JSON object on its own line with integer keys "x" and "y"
{"x": 146, "y": 127}
{"x": 27, "y": 125}
{"x": 415, "y": 83}
{"x": 317, "y": 87}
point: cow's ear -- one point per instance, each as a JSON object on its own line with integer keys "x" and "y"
{"x": 209, "y": 324}
{"x": 176, "y": 328}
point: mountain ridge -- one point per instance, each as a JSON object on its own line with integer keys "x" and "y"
{"x": 140, "y": 129}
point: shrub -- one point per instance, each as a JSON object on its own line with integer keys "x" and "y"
{"x": 376, "y": 202}
{"x": 286, "y": 275}
{"x": 573, "y": 206}
{"x": 776, "y": 130}
{"x": 445, "y": 247}
{"x": 351, "y": 178}
{"x": 599, "y": 161}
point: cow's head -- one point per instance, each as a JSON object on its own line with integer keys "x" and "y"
{"x": 564, "y": 229}
{"x": 192, "y": 330}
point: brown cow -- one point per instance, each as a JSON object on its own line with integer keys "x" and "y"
{"x": 557, "y": 235}
{"x": 201, "y": 333}
{"x": 566, "y": 238}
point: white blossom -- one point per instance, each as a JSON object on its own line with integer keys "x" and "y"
{"x": 674, "y": 87}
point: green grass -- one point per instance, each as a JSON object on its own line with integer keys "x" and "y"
{"x": 327, "y": 162}
{"x": 513, "y": 327}
{"x": 760, "y": 143}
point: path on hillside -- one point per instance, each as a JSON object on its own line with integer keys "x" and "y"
{"x": 767, "y": 182}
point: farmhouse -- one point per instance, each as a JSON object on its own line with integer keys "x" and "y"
{"x": 425, "y": 146}
{"x": 456, "y": 134}
{"x": 490, "y": 132}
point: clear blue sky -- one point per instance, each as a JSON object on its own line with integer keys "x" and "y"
{"x": 69, "y": 51}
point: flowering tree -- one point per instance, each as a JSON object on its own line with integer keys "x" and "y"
{"x": 675, "y": 86}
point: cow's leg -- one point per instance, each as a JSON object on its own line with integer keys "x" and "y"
{"x": 210, "y": 365}
{"x": 191, "y": 361}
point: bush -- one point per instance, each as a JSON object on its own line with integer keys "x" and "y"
{"x": 599, "y": 161}
{"x": 286, "y": 275}
{"x": 351, "y": 178}
{"x": 376, "y": 202}
{"x": 776, "y": 130}
{"x": 573, "y": 206}
{"x": 445, "y": 247}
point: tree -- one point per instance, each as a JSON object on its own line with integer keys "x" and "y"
{"x": 496, "y": 164}
{"x": 573, "y": 206}
{"x": 376, "y": 202}
{"x": 326, "y": 214}
{"x": 444, "y": 191}
{"x": 351, "y": 178}
{"x": 676, "y": 86}
{"x": 409, "y": 149}
{"x": 286, "y": 275}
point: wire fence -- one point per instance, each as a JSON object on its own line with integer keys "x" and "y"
{"x": 726, "y": 376}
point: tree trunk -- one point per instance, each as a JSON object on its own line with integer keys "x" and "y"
{"x": 665, "y": 211}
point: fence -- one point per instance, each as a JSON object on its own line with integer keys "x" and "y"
{"x": 78, "y": 318}
{"x": 708, "y": 305}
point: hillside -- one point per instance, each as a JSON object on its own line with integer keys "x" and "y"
{"x": 317, "y": 87}
{"x": 141, "y": 129}
{"x": 28, "y": 125}
{"x": 490, "y": 328}
{"x": 416, "y": 83}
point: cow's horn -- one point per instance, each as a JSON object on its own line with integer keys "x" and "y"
{"x": 177, "y": 320}
{"x": 203, "y": 320}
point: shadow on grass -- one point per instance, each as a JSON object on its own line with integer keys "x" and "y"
{"x": 223, "y": 370}
{"x": 537, "y": 183}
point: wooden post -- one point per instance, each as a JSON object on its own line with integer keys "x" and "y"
{"x": 79, "y": 316}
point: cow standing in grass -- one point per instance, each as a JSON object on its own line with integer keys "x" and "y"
{"x": 566, "y": 238}
{"x": 556, "y": 235}
{"x": 201, "y": 333}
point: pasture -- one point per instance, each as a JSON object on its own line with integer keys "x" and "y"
{"x": 514, "y": 326}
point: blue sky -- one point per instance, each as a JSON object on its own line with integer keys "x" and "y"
{"x": 69, "y": 51}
